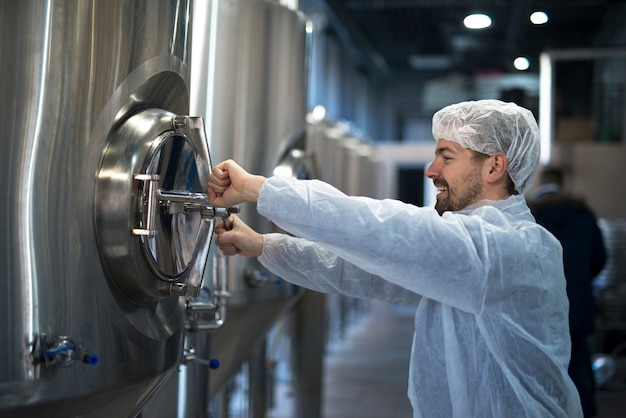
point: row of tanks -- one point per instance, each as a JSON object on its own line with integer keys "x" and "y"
{"x": 114, "y": 111}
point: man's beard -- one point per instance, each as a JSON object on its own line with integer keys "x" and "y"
{"x": 462, "y": 195}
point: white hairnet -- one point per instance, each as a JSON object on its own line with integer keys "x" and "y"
{"x": 491, "y": 127}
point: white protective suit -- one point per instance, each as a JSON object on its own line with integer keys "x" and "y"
{"x": 491, "y": 322}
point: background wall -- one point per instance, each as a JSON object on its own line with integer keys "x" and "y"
{"x": 394, "y": 111}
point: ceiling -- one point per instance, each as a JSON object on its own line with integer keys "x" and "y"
{"x": 388, "y": 32}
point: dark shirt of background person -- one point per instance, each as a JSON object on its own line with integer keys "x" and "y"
{"x": 574, "y": 224}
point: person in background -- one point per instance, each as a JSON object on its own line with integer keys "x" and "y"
{"x": 574, "y": 224}
{"x": 491, "y": 328}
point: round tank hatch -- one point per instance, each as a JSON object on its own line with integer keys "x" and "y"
{"x": 153, "y": 223}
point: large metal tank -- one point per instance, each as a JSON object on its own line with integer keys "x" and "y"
{"x": 253, "y": 97}
{"x": 104, "y": 224}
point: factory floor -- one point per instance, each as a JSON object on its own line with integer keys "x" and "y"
{"x": 365, "y": 372}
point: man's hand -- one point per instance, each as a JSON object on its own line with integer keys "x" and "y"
{"x": 230, "y": 185}
{"x": 241, "y": 239}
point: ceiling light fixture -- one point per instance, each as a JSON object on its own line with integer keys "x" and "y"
{"x": 539, "y": 18}
{"x": 521, "y": 63}
{"x": 477, "y": 21}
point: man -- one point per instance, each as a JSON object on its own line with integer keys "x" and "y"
{"x": 491, "y": 336}
{"x": 574, "y": 224}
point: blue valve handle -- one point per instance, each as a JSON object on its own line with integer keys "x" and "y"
{"x": 91, "y": 359}
{"x": 52, "y": 354}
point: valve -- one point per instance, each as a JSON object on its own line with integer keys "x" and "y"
{"x": 190, "y": 356}
{"x": 61, "y": 351}
{"x": 212, "y": 364}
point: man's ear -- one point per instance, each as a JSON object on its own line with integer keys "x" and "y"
{"x": 495, "y": 168}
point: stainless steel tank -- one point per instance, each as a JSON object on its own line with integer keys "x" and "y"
{"x": 253, "y": 98}
{"x": 324, "y": 142}
{"x": 105, "y": 228}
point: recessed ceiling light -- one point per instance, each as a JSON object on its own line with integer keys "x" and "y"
{"x": 477, "y": 21}
{"x": 539, "y": 18}
{"x": 521, "y": 63}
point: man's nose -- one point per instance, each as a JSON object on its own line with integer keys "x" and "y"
{"x": 431, "y": 171}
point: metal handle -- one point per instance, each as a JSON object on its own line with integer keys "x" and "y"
{"x": 149, "y": 180}
{"x": 178, "y": 202}
{"x": 217, "y": 307}
{"x": 175, "y": 201}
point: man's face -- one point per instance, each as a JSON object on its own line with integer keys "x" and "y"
{"x": 457, "y": 176}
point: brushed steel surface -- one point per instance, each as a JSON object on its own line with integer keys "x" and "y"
{"x": 255, "y": 108}
{"x": 71, "y": 72}
{"x": 259, "y": 98}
